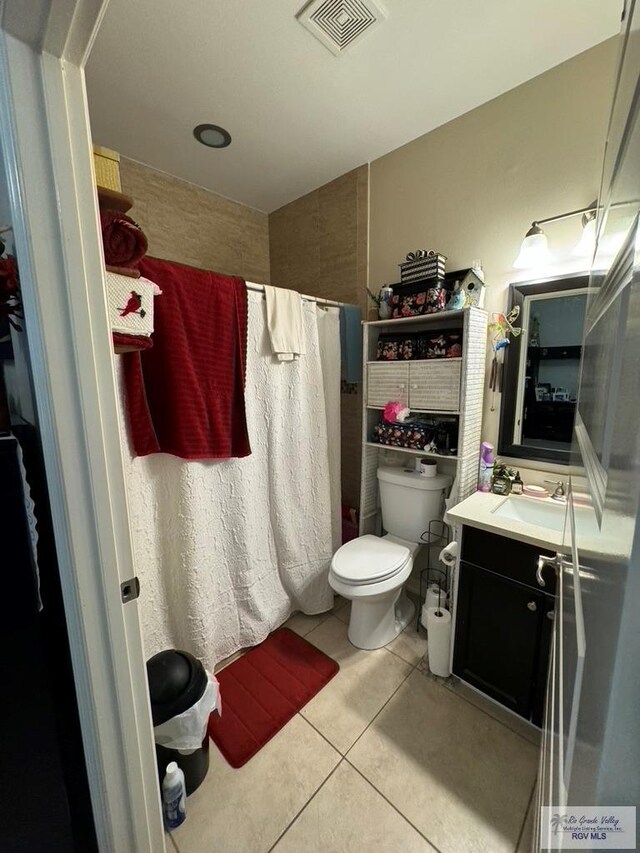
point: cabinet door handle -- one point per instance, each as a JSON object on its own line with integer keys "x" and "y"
{"x": 543, "y": 561}
{"x": 532, "y": 606}
{"x": 551, "y": 614}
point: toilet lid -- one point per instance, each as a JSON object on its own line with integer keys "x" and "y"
{"x": 369, "y": 559}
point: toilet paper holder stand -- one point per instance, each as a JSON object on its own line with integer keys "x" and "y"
{"x": 436, "y": 536}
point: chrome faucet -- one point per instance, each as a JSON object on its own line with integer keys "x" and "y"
{"x": 559, "y": 494}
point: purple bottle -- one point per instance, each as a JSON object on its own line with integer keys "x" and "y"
{"x": 487, "y": 460}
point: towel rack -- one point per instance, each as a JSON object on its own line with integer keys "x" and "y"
{"x": 259, "y": 288}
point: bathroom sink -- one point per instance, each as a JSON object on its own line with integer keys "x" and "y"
{"x": 544, "y": 513}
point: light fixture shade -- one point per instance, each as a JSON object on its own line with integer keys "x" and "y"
{"x": 212, "y": 135}
{"x": 587, "y": 243}
{"x": 534, "y": 251}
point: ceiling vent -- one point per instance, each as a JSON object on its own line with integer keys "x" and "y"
{"x": 339, "y": 24}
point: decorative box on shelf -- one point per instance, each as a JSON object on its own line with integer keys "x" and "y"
{"x": 106, "y": 164}
{"x": 428, "y": 265}
{"x": 107, "y": 168}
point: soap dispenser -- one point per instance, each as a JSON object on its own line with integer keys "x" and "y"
{"x": 517, "y": 485}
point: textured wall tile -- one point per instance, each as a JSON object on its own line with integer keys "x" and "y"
{"x": 362, "y": 238}
{"x": 351, "y": 425}
{"x": 294, "y": 247}
{"x": 337, "y": 239}
{"x": 194, "y": 226}
{"x": 318, "y": 246}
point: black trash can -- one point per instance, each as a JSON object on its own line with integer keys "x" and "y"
{"x": 177, "y": 681}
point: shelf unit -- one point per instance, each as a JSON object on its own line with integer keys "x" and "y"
{"x": 424, "y": 411}
{"x": 410, "y": 360}
{"x": 453, "y": 318}
{"x": 410, "y": 450}
{"x": 472, "y": 324}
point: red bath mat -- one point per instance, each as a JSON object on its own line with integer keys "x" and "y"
{"x": 263, "y": 690}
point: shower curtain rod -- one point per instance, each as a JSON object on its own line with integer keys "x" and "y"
{"x": 259, "y": 288}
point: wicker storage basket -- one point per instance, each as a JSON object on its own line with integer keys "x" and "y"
{"x": 387, "y": 382}
{"x": 435, "y": 385}
{"x": 107, "y": 167}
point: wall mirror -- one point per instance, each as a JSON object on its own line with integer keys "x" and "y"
{"x": 542, "y": 369}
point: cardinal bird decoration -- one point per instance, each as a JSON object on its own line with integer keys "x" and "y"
{"x": 133, "y": 306}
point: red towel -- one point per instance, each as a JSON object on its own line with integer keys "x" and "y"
{"x": 133, "y": 341}
{"x": 186, "y": 395}
{"x": 123, "y": 241}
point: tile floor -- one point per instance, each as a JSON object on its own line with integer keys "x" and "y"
{"x": 385, "y": 758}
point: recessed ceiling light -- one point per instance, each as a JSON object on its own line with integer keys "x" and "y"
{"x": 212, "y": 136}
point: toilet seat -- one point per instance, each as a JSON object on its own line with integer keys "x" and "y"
{"x": 369, "y": 559}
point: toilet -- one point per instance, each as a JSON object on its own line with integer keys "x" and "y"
{"x": 371, "y": 570}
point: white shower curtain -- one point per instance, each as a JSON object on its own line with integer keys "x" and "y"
{"x": 226, "y": 550}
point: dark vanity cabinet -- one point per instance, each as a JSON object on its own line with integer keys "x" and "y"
{"x": 504, "y": 621}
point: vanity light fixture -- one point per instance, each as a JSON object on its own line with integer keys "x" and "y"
{"x": 212, "y": 136}
{"x": 587, "y": 243}
{"x": 534, "y": 250}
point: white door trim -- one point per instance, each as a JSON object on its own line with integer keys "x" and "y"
{"x": 46, "y": 147}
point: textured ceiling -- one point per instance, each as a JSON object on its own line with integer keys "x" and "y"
{"x": 298, "y": 115}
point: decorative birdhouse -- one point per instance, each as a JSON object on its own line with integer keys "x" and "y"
{"x": 470, "y": 284}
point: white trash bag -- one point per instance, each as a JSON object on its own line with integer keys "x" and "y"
{"x": 185, "y": 732}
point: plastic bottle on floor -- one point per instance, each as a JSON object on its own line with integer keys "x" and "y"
{"x": 173, "y": 797}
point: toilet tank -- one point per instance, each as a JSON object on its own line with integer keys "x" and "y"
{"x": 410, "y": 501}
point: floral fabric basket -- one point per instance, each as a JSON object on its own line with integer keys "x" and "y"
{"x": 420, "y": 297}
{"x": 413, "y": 436}
{"x": 419, "y": 346}
{"x": 434, "y": 434}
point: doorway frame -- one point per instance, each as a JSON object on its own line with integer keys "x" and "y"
{"x": 46, "y": 150}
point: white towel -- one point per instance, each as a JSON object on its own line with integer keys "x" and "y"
{"x": 284, "y": 321}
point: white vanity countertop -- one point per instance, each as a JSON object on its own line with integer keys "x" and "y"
{"x": 614, "y": 538}
{"x": 478, "y": 510}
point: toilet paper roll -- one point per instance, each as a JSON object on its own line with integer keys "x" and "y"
{"x": 439, "y": 631}
{"x": 428, "y": 467}
{"x": 449, "y": 554}
{"x": 436, "y": 597}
